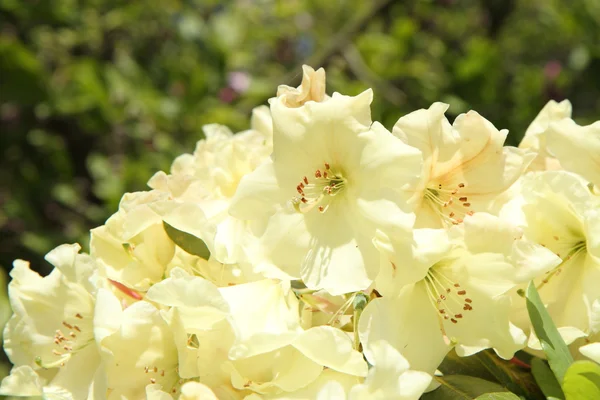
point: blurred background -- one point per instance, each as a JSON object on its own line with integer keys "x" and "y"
{"x": 97, "y": 95}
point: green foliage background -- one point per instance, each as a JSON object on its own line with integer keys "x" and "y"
{"x": 97, "y": 95}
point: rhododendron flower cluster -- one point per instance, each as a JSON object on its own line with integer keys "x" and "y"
{"x": 320, "y": 255}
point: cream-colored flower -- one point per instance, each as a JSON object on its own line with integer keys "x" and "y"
{"x": 198, "y": 316}
{"x": 50, "y": 338}
{"x": 279, "y": 371}
{"x": 577, "y": 148}
{"x": 218, "y": 163}
{"x": 456, "y": 295}
{"x": 465, "y": 165}
{"x": 247, "y": 338}
{"x": 389, "y": 377}
{"x": 557, "y": 210}
{"x": 277, "y": 323}
{"x": 333, "y": 179}
{"x": 535, "y": 135}
{"x": 140, "y": 352}
{"x": 209, "y": 178}
{"x": 133, "y": 246}
{"x": 329, "y": 385}
{"x": 312, "y": 88}
{"x": 284, "y": 372}
{"x": 276, "y": 327}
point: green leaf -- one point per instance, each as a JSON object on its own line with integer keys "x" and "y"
{"x": 488, "y": 366}
{"x": 546, "y": 379}
{"x": 462, "y": 387}
{"x": 498, "y": 396}
{"x": 190, "y": 243}
{"x": 552, "y": 343}
{"x": 471, "y": 366}
{"x": 582, "y": 381}
{"x": 22, "y": 72}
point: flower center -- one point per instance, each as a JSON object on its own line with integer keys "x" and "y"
{"x": 168, "y": 375}
{"x": 319, "y": 191}
{"x": 447, "y": 297}
{"x": 74, "y": 335}
{"x": 168, "y": 378}
{"x": 575, "y": 250}
{"x": 445, "y": 202}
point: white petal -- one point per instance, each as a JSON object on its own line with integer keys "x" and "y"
{"x": 107, "y": 315}
{"x": 424, "y": 129}
{"x": 127, "y": 357}
{"x": 331, "y": 348}
{"x": 535, "y": 135}
{"x": 282, "y": 369}
{"x": 415, "y": 327}
{"x": 577, "y": 147}
{"x": 390, "y": 378}
{"x": 22, "y": 381}
{"x": 196, "y": 391}
{"x": 258, "y": 193}
{"x": 341, "y": 258}
{"x": 405, "y": 259}
{"x": 592, "y": 351}
{"x": 332, "y": 390}
{"x": 154, "y": 392}
{"x": 265, "y": 316}
{"x": 199, "y": 301}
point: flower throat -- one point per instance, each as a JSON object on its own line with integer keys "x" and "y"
{"x": 318, "y": 191}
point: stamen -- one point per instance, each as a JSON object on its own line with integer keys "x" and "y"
{"x": 318, "y": 193}
{"x": 441, "y": 199}
{"x": 67, "y": 344}
{"x": 446, "y": 296}
{"x": 577, "y": 249}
